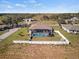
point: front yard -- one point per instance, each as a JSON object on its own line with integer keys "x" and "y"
{"x": 21, "y": 34}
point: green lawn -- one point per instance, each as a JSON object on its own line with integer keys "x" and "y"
{"x": 1, "y": 32}
{"x": 73, "y": 38}
{"x": 50, "y": 22}
{"x": 21, "y": 34}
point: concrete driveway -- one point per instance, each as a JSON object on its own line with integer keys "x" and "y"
{"x": 5, "y": 35}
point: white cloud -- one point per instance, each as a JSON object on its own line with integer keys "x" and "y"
{"x": 20, "y": 5}
{"x": 9, "y": 6}
{"x": 4, "y": 6}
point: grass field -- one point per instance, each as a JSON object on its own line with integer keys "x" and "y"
{"x": 21, "y": 34}
{"x": 8, "y": 50}
{"x": 73, "y": 38}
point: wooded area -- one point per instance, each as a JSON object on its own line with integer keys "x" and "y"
{"x": 11, "y": 19}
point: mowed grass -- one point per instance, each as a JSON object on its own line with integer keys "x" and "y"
{"x": 1, "y": 32}
{"x": 21, "y": 34}
{"x": 73, "y": 38}
{"x": 50, "y": 23}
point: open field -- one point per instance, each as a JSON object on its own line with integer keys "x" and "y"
{"x": 23, "y": 51}
{"x": 50, "y": 23}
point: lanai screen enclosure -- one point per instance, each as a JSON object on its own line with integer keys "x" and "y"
{"x": 40, "y": 30}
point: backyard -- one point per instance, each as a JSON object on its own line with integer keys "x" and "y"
{"x": 56, "y": 37}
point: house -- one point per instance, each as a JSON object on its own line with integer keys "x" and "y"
{"x": 29, "y": 21}
{"x": 73, "y": 20}
{"x": 68, "y": 21}
{"x": 40, "y": 30}
{"x": 70, "y": 28}
{"x": 4, "y": 27}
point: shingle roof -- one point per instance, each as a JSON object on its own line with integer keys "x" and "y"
{"x": 40, "y": 26}
{"x": 71, "y": 27}
{"x": 2, "y": 26}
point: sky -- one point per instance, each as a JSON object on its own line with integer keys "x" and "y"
{"x": 39, "y": 6}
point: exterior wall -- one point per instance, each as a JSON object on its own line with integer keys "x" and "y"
{"x": 28, "y": 21}
{"x": 70, "y": 31}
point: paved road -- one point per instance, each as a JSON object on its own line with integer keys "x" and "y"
{"x": 5, "y": 35}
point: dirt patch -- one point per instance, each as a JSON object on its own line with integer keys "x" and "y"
{"x": 26, "y": 51}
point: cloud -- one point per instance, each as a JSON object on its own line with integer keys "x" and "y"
{"x": 9, "y": 6}
{"x": 20, "y": 5}
{"x": 4, "y": 6}
{"x": 5, "y": 1}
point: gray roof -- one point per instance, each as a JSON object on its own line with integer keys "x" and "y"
{"x": 74, "y": 18}
{"x": 2, "y": 26}
{"x": 71, "y": 27}
{"x": 40, "y": 26}
{"x": 28, "y": 19}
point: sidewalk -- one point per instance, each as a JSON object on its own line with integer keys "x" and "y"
{"x": 5, "y": 35}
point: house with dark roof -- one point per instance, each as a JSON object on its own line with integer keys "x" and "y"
{"x": 40, "y": 30}
{"x": 70, "y": 28}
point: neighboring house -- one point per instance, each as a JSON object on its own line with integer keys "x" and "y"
{"x": 3, "y": 27}
{"x": 29, "y": 21}
{"x": 70, "y": 28}
{"x": 22, "y": 24}
{"x": 73, "y": 20}
{"x": 40, "y": 30}
{"x": 68, "y": 21}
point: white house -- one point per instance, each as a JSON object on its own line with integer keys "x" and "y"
{"x": 29, "y": 20}
{"x": 74, "y": 19}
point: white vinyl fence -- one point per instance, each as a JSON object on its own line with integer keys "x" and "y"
{"x": 63, "y": 41}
